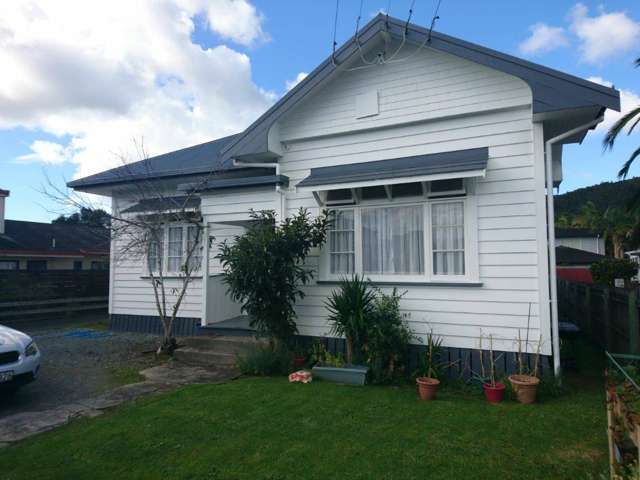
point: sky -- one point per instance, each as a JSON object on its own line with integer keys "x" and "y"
{"x": 82, "y": 81}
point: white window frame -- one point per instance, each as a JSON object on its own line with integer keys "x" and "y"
{"x": 165, "y": 252}
{"x": 471, "y": 274}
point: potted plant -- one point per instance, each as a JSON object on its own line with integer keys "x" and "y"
{"x": 493, "y": 390}
{"x": 429, "y": 371}
{"x": 525, "y": 382}
{"x": 349, "y": 311}
{"x": 299, "y": 357}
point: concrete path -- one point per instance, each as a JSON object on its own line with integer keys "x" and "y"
{"x": 162, "y": 378}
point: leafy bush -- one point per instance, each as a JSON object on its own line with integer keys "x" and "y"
{"x": 350, "y": 312}
{"x": 388, "y": 339}
{"x": 264, "y": 268}
{"x": 265, "y": 360}
{"x": 606, "y": 271}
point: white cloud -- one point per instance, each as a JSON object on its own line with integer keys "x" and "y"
{"x": 51, "y": 153}
{"x": 292, "y": 83}
{"x": 605, "y": 35}
{"x": 543, "y": 38}
{"x": 628, "y": 100}
{"x": 104, "y": 73}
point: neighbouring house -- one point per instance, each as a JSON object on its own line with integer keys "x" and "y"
{"x": 574, "y": 264}
{"x": 434, "y": 160}
{"x": 38, "y": 246}
{"x": 581, "y": 239}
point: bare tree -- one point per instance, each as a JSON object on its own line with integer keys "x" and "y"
{"x": 156, "y": 228}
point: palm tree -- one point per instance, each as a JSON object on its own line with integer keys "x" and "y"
{"x": 631, "y": 120}
{"x": 613, "y": 224}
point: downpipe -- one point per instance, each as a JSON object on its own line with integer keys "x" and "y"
{"x": 551, "y": 235}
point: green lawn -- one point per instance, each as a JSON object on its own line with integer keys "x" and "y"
{"x": 266, "y": 428}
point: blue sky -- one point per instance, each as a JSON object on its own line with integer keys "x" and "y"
{"x": 178, "y": 83}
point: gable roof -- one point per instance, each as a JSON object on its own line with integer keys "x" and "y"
{"x": 552, "y": 90}
{"x": 195, "y": 160}
{"x": 35, "y": 237}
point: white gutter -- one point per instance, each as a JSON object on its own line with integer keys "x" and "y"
{"x": 281, "y": 201}
{"x": 553, "y": 287}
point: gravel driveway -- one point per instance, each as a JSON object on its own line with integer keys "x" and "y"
{"x": 78, "y": 361}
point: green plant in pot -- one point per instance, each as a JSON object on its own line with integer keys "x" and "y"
{"x": 430, "y": 369}
{"x": 525, "y": 382}
{"x": 493, "y": 390}
{"x": 350, "y": 310}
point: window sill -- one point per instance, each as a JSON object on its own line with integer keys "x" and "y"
{"x": 171, "y": 276}
{"x": 400, "y": 283}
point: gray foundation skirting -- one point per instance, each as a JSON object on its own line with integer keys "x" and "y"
{"x": 183, "y": 327}
{"x": 461, "y": 362}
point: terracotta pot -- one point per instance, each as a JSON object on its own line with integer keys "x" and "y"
{"x": 494, "y": 393}
{"x": 427, "y": 387}
{"x": 299, "y": 362}
{"x": 525, "y": 387}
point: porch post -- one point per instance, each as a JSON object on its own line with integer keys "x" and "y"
{"x": 204, "y": 268}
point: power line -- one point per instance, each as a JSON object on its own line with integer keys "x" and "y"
{"x": 433, "y": 20}
{"x": 335, "y": 28}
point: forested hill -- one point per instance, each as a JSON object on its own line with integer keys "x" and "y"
{"x": 603, "y": 195}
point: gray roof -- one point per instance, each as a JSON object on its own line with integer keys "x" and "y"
{"x": 196, "y": 160}
{"x": 575, "y": 256}
{"x": 575, "y": 233}
{"x": 36, "y": 237}
{"x": 552, "y": 90}
{"x": 435, "y": 163}
{"x": 164, "y": 204}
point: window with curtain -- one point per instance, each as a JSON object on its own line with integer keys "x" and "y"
{"x": 342, "y": 242}
{"x": 447, "y": 220}
{"x": 196, "y": 256}
{"x": 393, "y": 240}
{"x": 154, "y": 255}
{"x": 174, "y": 249}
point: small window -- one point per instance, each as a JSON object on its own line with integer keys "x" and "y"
{"x": 407, "y": 190}
{"x": 155, "y": 253}
{"x": 9, "y": 265}
{"x": 36, "y": 265}
{"x": 452, "y": 186}
{"x": 342, "y": 242}
{"x": 374, "y": 193}
{"x": 98, "y": 265}
{"x": 340, "y": 197}
{"x": 174, "y": 249}
{"x": 448, "y": 238}
{"x": 193, "y": 238}
{"x": 77, "y": 265}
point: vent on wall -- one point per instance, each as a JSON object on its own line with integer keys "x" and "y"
{"x": 367, "y": 104}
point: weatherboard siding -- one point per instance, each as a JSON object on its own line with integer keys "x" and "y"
{"x": 434, "y": 103}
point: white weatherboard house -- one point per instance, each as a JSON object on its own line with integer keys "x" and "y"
{"x": 440, "y": 163}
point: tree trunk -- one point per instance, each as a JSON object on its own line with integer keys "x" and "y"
{"x": 349, "y": 343}
{"x": 618, "y": 250}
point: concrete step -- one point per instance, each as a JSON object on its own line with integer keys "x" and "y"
{"x": 204, "y": 358}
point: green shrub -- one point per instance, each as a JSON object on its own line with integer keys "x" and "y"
{"x": 606, "y": 271}
{"x": 264, "y": 268}
{"x": 388, "y": 339}
{"x": 266, "y": 360}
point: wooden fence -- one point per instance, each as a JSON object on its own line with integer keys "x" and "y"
{"x": 28, "y": 294}
{"x": 608, "y": 316}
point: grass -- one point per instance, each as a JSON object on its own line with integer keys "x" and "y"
{"x": 266, "y": 428}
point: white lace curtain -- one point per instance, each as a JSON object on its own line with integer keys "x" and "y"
{"x": 393, "y": 240}
{"x": 448, "y": 238}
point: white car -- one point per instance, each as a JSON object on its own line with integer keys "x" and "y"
{"x": 19, "y": 358}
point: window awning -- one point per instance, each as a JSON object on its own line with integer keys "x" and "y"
{"x": 164, "y": 205}
{"x": 419, "y": 168}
